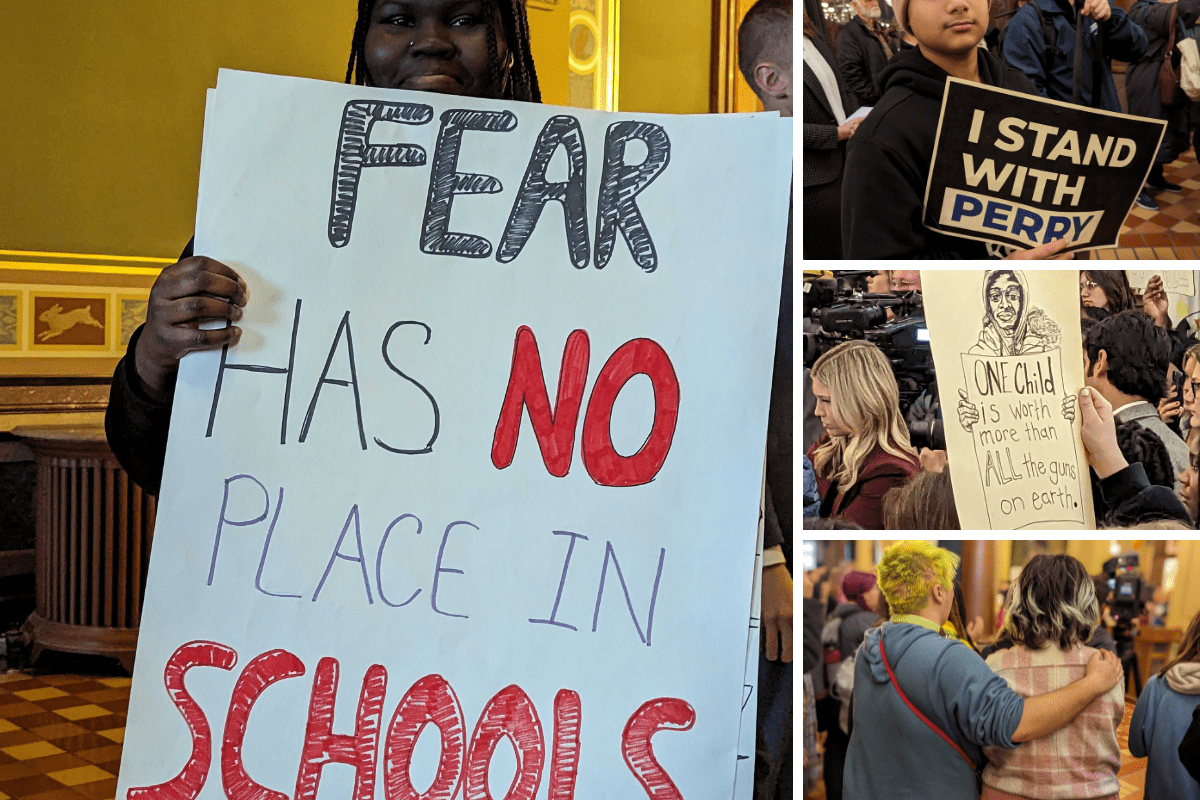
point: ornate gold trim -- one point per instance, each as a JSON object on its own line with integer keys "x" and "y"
{"x": 603, "y": 20}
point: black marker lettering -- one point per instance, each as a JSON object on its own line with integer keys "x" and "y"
{"x": 324, "y": 379}
{"x": 620, "y": 183}
{"x": 445, "y": 182}
{"x": 355, "y": 151}
{"x": 437, "y": 414}
{"x": 536, "y": 191}
{"x": 287, "y": 391}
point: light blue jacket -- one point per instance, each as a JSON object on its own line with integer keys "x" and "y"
{"x": 892, "y": 753}
{"x": 1159, "y": 721}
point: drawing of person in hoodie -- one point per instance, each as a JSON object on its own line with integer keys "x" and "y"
{"x": 1010, "y": 326}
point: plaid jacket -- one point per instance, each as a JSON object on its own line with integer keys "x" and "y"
{"x": 1078, "y": 761}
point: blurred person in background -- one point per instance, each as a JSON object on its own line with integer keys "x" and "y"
{"x": 865, "y": 449}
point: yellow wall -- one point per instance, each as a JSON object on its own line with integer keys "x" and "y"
{"x": 548, "y": 26}
{"x": 665, "y": 56}
{"x": 104, "y": 106}
{"x": 1185, "y": 599}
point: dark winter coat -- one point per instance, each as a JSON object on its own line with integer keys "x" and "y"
{"x": 861, "y": 58}
{"x": 1025, "y": 45}
{"x": 887, "y": 162}
{"x": 1141, "y": 78}
{"x": 824, "y": 156}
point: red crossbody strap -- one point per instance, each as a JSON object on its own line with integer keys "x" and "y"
{"x": 924, "y": 719}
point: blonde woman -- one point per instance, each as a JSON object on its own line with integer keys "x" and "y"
{"x": 865, "y": 449}
{"x": 1052, "y": 612}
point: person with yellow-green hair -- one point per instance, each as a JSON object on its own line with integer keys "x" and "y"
{"x": 925, "y": 704}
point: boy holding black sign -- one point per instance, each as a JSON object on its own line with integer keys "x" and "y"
{"x": 887, "y": 161}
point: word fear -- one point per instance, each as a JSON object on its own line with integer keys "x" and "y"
{"x": 620, "y": 183}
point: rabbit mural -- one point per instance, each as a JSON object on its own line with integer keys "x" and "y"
{"x": 59, "y": 321}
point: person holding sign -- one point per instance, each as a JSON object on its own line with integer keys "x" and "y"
{"x": 476, "y": 48}
{"x": 865, "y": 450}
{"x": 925, "y": 705}
{"x": 888, "y": 159}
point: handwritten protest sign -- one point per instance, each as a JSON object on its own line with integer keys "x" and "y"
{"x": 486, "y": 463}
{"x": 1175, "y": 281}
{"x": 1020, "y": 170}
{"x": 1009, "y": 360}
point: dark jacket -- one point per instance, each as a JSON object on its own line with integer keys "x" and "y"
{"x": 862, "y": 59}
{"x": 1141, "y": 78}
{"x": 1025, "y": 46}
{"x": 823, "y": 153}
{"x": 863, "y": 502}
{"x": 1189, "y": 746}
{"x": 1127, "y": 498}
{"x": 814, "y": 620}
{"x": 136, "y": 424}
{"x": 887, "y": 162}
{"x": 856, "y": 621}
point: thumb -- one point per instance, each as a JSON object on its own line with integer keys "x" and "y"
{"x": 962, "y": 393}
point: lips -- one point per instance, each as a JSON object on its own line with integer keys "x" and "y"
{"x": 433, "y": 82}
{"x": 961, "y": 25}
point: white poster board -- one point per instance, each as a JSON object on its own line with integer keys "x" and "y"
{"x": 363, "y": 541}
{"x": 1175, "y": 281}
{"x": 1009, "y": 359}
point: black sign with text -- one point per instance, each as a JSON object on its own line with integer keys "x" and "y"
{"x": 1019, "y": 170}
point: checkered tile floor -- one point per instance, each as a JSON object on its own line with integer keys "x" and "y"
{"x": 1172, "y": 232}
{"x": 60, "y": 736}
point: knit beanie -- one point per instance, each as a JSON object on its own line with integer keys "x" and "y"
{"x": 856, "y": 584}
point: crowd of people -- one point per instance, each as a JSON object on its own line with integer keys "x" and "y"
{"x": 908, "y": 700}
{"x": 873, "y": 94}
{"x": 1140, "y": 409}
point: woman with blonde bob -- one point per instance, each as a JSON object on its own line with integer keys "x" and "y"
{"x": 1052, "y": 612}
{"x": 865, "y": 449}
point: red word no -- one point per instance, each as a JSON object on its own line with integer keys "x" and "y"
{"x": 555, "y": 427}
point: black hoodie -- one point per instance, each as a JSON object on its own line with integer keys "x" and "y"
{"x": 887, "y": 162}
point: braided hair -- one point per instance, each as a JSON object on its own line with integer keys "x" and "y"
{"x": 522, "y": 81}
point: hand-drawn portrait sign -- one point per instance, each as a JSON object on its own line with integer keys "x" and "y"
{"x": 1020, "y": 170}
{"x": 1009, "y": 397}
{"x": 470, "y": 510}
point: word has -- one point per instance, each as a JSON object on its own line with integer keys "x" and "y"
{"x": 620, "y": 183}
{"x": 462, "y": 762}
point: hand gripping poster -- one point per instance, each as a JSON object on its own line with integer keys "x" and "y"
{"x": 470, "y": 510}
{"x": 1009, "y": 357}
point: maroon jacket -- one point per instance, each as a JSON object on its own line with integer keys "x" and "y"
{"x": 863, "y": 503}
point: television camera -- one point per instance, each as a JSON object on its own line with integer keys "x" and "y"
{"x": 1127, "y": 592}
{"x": 841, "y": 309}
